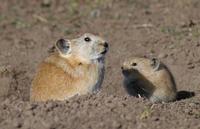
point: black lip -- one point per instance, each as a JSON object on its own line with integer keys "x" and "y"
{"x": 126, "y": 72}
{"x": 129, "y": 71}
{"x": 104, "y": 52}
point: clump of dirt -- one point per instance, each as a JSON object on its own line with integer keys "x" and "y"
{"x": 168, "y": 30}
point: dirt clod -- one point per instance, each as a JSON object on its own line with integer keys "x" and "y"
{"x": 168, "y": 29}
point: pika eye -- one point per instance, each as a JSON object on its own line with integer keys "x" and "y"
{"x": 134, "y": 64}
{"x": 87, "y": 39}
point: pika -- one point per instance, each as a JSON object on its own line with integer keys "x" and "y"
{"x": 149, "y": 78}
{"x": 76, "y": 67}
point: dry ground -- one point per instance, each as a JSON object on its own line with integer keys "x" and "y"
{"x": 167, "y": 29}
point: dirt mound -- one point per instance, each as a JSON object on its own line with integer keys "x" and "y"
{"x": 168, "y": 30}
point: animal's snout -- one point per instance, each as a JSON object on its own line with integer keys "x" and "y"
{"x": 105, "y": 45}
{"x": 124, "y": 70}
{"x": 128, "y": 71}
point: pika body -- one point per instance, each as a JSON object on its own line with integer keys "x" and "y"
{"x": 76, "y": 67}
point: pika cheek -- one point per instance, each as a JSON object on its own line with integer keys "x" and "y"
{"x": 99, "y": 48}
{"x": 102, "y": 48}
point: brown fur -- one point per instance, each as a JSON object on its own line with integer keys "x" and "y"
{"x": 157, "y": 85}
{"x": 76, "y": 67}
{"x": 58, "y": 77}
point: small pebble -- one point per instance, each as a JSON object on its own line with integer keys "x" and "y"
{"x": 192, "y": 104}
{"x": 46, "y": 3}
{"x": 162, "y": 55}
{"x": 171, "y": 46}
{"x": 191, "y": 66}
{"x": 95, "y": 13}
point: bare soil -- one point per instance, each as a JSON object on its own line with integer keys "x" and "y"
{"x": 167, "y": 29}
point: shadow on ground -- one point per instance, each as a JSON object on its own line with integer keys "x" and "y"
{"x": 185, "y": 95}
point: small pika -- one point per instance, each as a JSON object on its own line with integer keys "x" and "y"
{"x": 74, "y": 67}
{"x": 149, "y": 78}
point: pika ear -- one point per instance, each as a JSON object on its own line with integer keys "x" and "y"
{"x": 155, "y": 63}
{"x": 52, "y": 49}
{"x": 63, "y": 46}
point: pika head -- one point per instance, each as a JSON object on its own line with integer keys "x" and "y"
{"x": 87, "y": 47}
{"x": 132, "y": 67}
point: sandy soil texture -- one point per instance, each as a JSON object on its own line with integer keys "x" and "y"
{"x": 167, "y": 29}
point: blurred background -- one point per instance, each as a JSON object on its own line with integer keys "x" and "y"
{"x": 166, "y": 29}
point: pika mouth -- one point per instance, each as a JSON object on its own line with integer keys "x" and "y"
{"x": 125, "y": 72}
{"x": 104, "y": 52}
{"x": 128, "y": 72}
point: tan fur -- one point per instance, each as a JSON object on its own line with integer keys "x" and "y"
{"x": 59, "y": 78}
{"x": 158, "y": 85}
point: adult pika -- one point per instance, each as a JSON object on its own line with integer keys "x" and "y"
{"x": 75, "y": 68}
{"x": 149, "y": 78}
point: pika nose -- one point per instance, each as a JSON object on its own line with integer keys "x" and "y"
{"x": 106, "y": 44}
{"x": 122, "y": 68}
